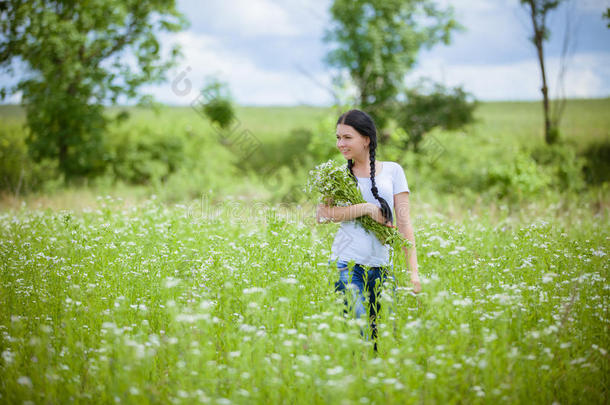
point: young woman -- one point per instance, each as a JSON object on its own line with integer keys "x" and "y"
{"x": 383, "y": 186}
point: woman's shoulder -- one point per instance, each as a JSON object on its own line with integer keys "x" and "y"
{"x": 394, "y": 171}
{"x": 391, "y": 166}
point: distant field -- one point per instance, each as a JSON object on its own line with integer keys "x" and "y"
{"x": 583, "y": 122}
{"x": 584, "y": 119}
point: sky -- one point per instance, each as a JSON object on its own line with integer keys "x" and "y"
{"x": 270, "y": 52}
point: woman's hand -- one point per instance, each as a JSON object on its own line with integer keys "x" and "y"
{"x": 416, "y": 283}
{"x": 375, "y": 212}
{"x": 322, "y": 213}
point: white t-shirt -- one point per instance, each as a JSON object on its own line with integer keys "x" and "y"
{"x": 352, "y": 241}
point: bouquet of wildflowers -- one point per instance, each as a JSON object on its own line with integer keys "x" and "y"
{"x": 333, "y": 182}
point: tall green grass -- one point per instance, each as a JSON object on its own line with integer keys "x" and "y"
{"x": 235, "y": 304}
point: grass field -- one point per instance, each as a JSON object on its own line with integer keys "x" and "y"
{"x": 126, "y": 298}
{"x": 151, "y": 304}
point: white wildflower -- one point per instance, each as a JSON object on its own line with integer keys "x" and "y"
{"x": 24, "y": 380}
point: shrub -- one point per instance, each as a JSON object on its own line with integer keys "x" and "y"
{"x": 596, "y": 167}
{"x": 18, "y": 172}
{"x": 564, "y": 166}
{"x": 518, "y": 179}
{"x": 139, "y": 157}
{"x": 435, "y": 107}
{"x": 277, "y": 151}
{"x": 217, "y": 104}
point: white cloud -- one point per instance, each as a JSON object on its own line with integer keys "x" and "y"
{"x": 471, "y": 5}
{"x": 493, "y": 58}
{"x": 249, "y": 84}
{"x": 242, "y": 17}
{"x": 586, "y": 76}
{"x": 259, "y": 17}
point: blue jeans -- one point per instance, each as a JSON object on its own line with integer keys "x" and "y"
{"x": 357, "y": 281}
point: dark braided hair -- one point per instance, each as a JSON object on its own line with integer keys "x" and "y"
{"x": 364, "y": 124}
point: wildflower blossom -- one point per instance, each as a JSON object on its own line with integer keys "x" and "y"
{"x": 333, "y": 182}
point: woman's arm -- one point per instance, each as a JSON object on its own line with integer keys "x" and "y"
{"x": 403, "y": 220}
{"x": 326, "y": 213}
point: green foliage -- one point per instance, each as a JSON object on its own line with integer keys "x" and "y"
{"x": 606, "y": 16}
{"x": 435, "y": 107}
{"x": 295, "y": 139}
{"x": 67, "y": 129}
{"x": 597, "y": 163}
{"x": 220, "y": 112}
{"x": 217, "y": 105}
{"x": 285, "y": 185}
{"x": 203, "y": 167}
{"x": 196, "y": 180}
{"x": 139, "y": 158}
{"x": 377, "y": 41}
{"x": 276, "y": 151}
{"x": 174, "y": 154}
{"x": 563, "y": 165}
{"x": 321, "y": 146}
{"x": 494, "y": 173}
{"x": 552, "y": 134}
{"x": 13, "y": 159}
{"x": 500, "y": 169}
{"x": 520, "y": 179}
{"x": 18, "y": 173}
{"x": 75, "y": 55}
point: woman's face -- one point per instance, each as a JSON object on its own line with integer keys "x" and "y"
{"x": 350, "y": 143}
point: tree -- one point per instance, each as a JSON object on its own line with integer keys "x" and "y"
{"x": 79, "y": 56}
{"x": 538, "y": 10}
{"x": 429, "y": 108}
{"x": 606, "y": 16}
{"x": 377, "y": 42}
{"x": 217, "y": 105}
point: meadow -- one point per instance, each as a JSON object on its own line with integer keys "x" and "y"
{"x": 165, "y": 293}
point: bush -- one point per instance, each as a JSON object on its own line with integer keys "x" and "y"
{"x": 492, "y": 173}
{"x": 217, "y": 104}
{"x": 144, "y": 156}
{"x": 434, "y": 107}
{"x": 596, "y": 167}
{"x": 220, "y": 112}
{"x": 18, "y": 172}
{"x": 518, "y": 179}
{"x": 275, "y": 152}
{"x": 564, "y": 166}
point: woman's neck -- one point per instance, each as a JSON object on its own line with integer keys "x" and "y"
{"x": 361, "y": 162}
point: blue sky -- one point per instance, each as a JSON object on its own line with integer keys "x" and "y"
{"x": 271, "y": 52}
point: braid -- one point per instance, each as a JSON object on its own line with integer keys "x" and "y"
{"x": 385, "y": 208}
{"x": 350, "y": 164}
